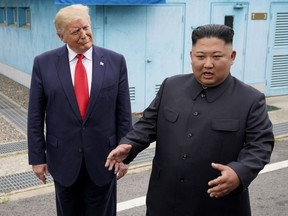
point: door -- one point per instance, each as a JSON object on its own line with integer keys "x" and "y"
{"x": 151, "y": 39}
{"x": 164, "y": 46}
{"x": 235, "y": 16}
{"x": 277, "y": 57}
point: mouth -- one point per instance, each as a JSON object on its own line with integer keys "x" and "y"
{"x": 208, "y": 74}
{"x": 84, "y": 42}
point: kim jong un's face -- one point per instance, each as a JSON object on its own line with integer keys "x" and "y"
{"x": 78, "y": 35}
{"x": 211, "y": 59}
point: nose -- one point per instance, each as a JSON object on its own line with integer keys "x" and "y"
{"x": 208, "y": 63}
{"x": 82, "y": 33}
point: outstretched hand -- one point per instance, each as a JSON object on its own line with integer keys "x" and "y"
{"x": 224, "y": 184}
{"x": 116, "y": 156}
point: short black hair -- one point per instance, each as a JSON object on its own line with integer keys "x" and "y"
{"x": 213, "y": 30}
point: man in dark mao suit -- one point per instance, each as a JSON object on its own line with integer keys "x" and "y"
{"x": 212, "y": 134}
{"x": 74, "y": 148}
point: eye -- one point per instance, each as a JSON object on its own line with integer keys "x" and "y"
{"x": 75, "y": 32}
{"x": 200, "y": 57}
{"x": 86, "y": 28}
{"x": 217, "y": 57}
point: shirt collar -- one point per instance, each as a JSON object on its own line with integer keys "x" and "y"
{"x": 212, "y": 93}
{"x": 72, "y": 54}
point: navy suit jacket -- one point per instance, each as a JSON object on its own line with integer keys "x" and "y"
{"x": 68, "y": 139}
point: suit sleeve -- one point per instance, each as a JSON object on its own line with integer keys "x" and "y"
{"x": 123, "y": 103}
{"x": 144, "y": 131}
{"x": 36, "y": 115}
{"x": 258, "y": 146}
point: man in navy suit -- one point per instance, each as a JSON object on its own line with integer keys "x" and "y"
{"x": 213, "y": 135}
{"x": 74, "y": 148}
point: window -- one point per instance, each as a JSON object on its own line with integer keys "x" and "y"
{"x": 229, "y": 21}
{"x": 2, "y": 16}
{"x": 24, "y": 17}
{"x": 12, "y": 16}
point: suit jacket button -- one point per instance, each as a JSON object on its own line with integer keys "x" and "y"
{"x": 182, "y": 179}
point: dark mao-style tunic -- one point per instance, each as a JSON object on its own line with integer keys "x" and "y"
{"x": 194, "y": 127}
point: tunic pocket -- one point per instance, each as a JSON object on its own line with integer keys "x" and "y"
{"x": 170, "y": 114}
{"x": 225, "y": 125}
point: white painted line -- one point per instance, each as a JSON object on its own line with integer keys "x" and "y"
{"x": 274, "y": 166}
{"x": 140, "y": 201}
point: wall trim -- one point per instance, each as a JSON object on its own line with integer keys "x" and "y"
{"x": 16, "y": 75}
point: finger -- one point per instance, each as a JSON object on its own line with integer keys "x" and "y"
{"x": 215, "y": 182}
{"x": 42, "y": 178}
{"x": 47, "y": 173}
{"x": 44, "y": 181}
{"x": 120, "y": 174}
{"x": 107, "y": 163}
{"x": 116, "y": 168}
{"x": 217, "y": 166}
{"x": 111, "y": 165}
{"x": 219, "y": 191}
{"x": 110, "y": 158}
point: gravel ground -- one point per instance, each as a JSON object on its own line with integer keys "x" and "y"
{"x": 19, "y": 94}
{"x": 15, "y": 91}
{"x": 9, "y": 133}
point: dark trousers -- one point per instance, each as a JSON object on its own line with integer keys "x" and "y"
{"x": 84, "y": 198}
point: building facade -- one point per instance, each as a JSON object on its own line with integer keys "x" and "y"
{"x": 155, "y": 39}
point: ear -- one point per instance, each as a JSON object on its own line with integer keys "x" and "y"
{"x": 233, "y": 55}
{"x": 61, "y": 37}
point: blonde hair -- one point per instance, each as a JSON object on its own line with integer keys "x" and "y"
{"x": 69, "y": 14}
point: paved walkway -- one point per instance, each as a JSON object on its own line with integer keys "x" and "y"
{"x": 16, "y": 175}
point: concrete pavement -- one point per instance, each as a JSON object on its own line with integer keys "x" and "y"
{"x": 17, "y": 162}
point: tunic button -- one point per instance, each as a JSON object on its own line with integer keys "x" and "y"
{"x": 181, "y": 179}
{"x": 184, "y": 156}
{"x": 190, "y": 135}
{"x": 195, "y": 113}
{"x": 203, "y": 95}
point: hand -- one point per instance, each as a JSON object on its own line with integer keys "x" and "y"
{"x": 116, "y": 156}
{"x": 41, "y": 171}
{"x": 224, "y": 184}
{"x": 122, "y": 170}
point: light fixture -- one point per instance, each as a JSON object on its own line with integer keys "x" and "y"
{"x": 238, "y": 6}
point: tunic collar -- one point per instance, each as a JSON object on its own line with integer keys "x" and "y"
{"x": 212, "y": 93}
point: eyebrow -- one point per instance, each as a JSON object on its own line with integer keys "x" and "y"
{"x": 78, "y": 29}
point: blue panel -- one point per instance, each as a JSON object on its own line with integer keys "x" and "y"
{"x": 110, "y": 2}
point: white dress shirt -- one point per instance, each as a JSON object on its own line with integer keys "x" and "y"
{"x": 87, "y": 62}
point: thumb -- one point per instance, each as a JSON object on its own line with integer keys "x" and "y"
{"x": 218, "y": 166}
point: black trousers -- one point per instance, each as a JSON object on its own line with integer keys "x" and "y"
{"x": 84, "y": 198}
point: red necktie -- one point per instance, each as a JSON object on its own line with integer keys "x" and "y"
{"x": 81, "y": 86}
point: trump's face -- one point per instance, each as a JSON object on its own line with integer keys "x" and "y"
{"x": 211, "y": 60}
{"x": 78, "y": 35}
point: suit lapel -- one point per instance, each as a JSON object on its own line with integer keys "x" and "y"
{"x": 98, "y": 71}
{"x": 63, "y": 70}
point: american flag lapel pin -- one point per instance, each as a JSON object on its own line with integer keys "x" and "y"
{"x": 102, "y": 63}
